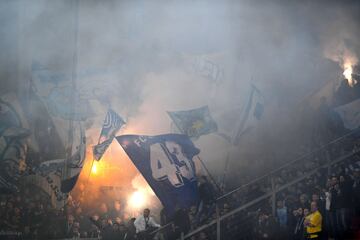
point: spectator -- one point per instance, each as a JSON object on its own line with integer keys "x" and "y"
{"x": 203, "y": 236}
{"x": 69, "y": 226}
{"x": 84, "y": 222}
{"x": 266, "y": 227}
{"x": 303, "y": 201}
{"x": 181, "y": 223}
{"x": 356, "y": 190}
{"x": 104, "y": 213}
{"x": 332, "y": 207}
{"x": 207, "y": 199}
{"x": 282, "y": 218}
{"x": 108, "y": 230}
{"x": 345, "y": 202}
{"x": 119, "y": 231}
{"x": 313, "y": 223}
{"x": 282, "y": 214}
{"x": 131, "y": 229}
{"x": 145, "y": 224}
{"x": 320, "y": 202}
{"x": 76, "y": 230}
{"x": 298, "y": 233}
{"x": 192, "y": 217}
{"x": 117, "y": 211}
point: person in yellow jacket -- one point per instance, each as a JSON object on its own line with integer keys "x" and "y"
{"x": 313, "y": 223}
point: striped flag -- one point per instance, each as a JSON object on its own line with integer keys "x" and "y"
{"x": 251, "y": 113}
{"x": 112, "y": 124}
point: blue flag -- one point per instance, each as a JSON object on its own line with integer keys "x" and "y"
{"x": 112, "y": 124}
{"x": 252, "y": 113}
{"x": 194, "y": 122}
{"x": 166, "y": 163}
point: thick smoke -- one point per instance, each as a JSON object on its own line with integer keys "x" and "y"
{"x": 144, "y": 58}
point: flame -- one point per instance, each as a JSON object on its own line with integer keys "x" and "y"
{"x": 116, "y": 170}
{"x": 337, "y": 51}
{"x": 94, "y": 169}
{"x": 137, "y": 200}
{"x": 348, "y": 74}
{"x": 142, "y": 196}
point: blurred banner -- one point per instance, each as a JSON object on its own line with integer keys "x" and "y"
{"x": 166, "y": 162}
{"x": 350, "y": 114}
{"x": 61, "y": 99}
{"x": 194, "y": 122}
{"x": 251, "y": 113}
{"x": 58, "y": 177}
{"x": 13, "y": 143}
{"x": 53, "y": 104}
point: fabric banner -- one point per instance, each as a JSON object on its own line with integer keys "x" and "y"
{"x": 112, "y": 124}
{"x": 194, "y": 122}
{"x": 166, "y": 162}
{"x": 13, "y": 143}
{"x": 251, "y": 113}
{"x": 350, "y": 114}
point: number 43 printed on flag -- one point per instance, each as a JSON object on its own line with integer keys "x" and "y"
{"x": 167, "y": 161}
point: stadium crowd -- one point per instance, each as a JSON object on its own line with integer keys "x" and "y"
{"x": 322, "y": 206}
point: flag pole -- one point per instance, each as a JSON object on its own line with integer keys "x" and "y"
{"x": 73, "y": 85}
{"x": 91, "y": 166}
{"x": 88, "y": 178}
{"x": 225, "y": 171}
{"x": 70, "y": 139}
{"x": 208, "y": 173}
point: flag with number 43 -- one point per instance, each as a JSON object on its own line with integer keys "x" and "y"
{"x": 166, "y": 162}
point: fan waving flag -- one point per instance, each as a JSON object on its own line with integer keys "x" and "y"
{"x": 194, "y": 122}
{"x": 112, "y": 124}
{"x": 166, "y": 163}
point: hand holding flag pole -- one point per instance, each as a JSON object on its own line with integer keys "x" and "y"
{"x": 209, "y": 174}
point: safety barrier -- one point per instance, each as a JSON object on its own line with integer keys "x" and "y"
{"x": 264, "y": 190}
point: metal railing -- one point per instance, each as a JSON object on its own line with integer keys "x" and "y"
{"x": 268, "y": 186}
{"x": 303, "y": 157}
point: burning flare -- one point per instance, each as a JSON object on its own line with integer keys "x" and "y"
{"x": 137, "y": 199}
{"x": 348, "y": 74}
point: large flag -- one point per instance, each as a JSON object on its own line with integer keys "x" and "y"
{"x": 194, "y": 122}
{"x": 13, "y": 143}
{"x": 50, "y": 174}
{"x": 53, "y": 103}
{"x": 251, "y": 113}
{"x": 75, "y": 163}
{"x": 166, "y": 162}
{"x": 350, "y": 114}
{"x": 112, "y": 124}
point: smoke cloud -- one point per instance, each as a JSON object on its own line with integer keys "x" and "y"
{"x": 144, "y": 58}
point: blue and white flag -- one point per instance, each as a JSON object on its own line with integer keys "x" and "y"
{"x": 112, "y": 124}
{"x": 194, "y": 122}
{"x": 14, "y": 143}
{"x": 350, "y": 114}
{"x": 251, "y": 113}
{"x": 166, "y": 162}
{"x": 76, "y": 161}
